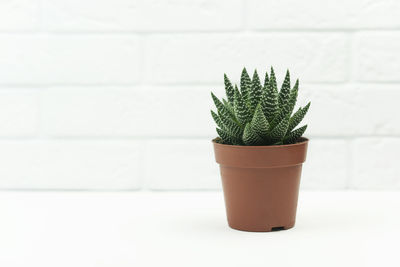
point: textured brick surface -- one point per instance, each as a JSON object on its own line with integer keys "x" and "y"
{"x": 376, "y": 163}
{"x": 314, "y": 14}
{"x": 70, "y": 165}
{"x": 203, "y": 57}
{"x": 377, "y": 56}
{"x": 331, "y": 105}
{"x": 351, "y": 109}
{"x": 326, "y": 166}
{"x": 118, "y": 111}
{"x": 93, "y": 93}
{"x": 376, "y": 109}
{"x": 96, "y": 111}
{"x": 19, "y": 15}
{"x": 136, "y": 15}
{"x": 19, "y": 113}
{"x": 39, "y": 59}
{"x": 128, "y": 111}
{"x": 181, "y": 164}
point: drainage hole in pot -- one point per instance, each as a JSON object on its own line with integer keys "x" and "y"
{"x": 279, "y": 228}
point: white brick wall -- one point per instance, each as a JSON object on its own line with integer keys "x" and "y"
{"x": 180, "y": 58}
{"x": 328, "y": 14}
{"x": 19, "y": 113}
{"x": 57, "y": 164}
{"x": 115, "y": 95}
{"x": 173, "y": 164}
{"x": 326, "y": 165}
{"x": 142, "y": 16}
{"x": 72, "y": 59}
{"x": 375, "y": 161}
{"x": 19, "y": 15}
{"x": 377, "y": 56}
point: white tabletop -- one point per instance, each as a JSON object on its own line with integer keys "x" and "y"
{"x": 56, "y": 229}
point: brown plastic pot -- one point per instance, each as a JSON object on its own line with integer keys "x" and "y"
{"x": 261, "y": 184}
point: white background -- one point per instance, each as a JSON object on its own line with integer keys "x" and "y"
{"x": 109, "y": 101}
{"x": 115, "y": 95}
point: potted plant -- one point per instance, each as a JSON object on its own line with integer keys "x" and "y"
{"x": 260, "y": 152}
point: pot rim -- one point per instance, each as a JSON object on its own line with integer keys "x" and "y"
{"x": 304, "y": 140}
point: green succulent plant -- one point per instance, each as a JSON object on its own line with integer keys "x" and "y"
{"x": 259, "y": 115}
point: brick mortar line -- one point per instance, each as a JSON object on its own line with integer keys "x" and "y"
{"x": 240, "y": 31}
{"x": 169, "y": 138}
{"x": 349, "y": 162}
{"x": 30, "y": 86}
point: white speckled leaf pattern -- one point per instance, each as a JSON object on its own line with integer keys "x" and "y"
{"x": 250, "y": 138}
{"x": 259, "y": 123}
{"x": 285, "y": 90}
{"x": 229, "y": 89}
{"x": 257, "y": 115}
{"x": 255, "y": 91}
{"x": 266, "y": 80}
{"x": 231, "y": 127}
{"x": 293, "y": 97}
{"x": 298, "y": 117}
{"x": 279, "y": 131}
{"x": 230, "y": 109}
{"x": 245, "y": 85}
{"x": 272, "y": 80}
{"x": 292, "y": 137}
{"x": 241, "y": 109}
{"x": 228, "y": 139}
{"x": 221, "y": 107}
{"x": 269, "y": 103}
{"x": 217, "y": 119}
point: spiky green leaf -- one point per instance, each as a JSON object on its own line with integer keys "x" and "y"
{"x": 217, "y": 119}
{"x": 285, "y": 91}
{"x": 292, "y": 137}
{"x": 224, "y": 111}
{"x": 229, "y": 107}
{"x": 277, "y": 119}
{"x": 250, "y": 138}
{"x": 288, "y": 107}
{"x": 245, "y": 85}
{"x": 298, "y": 117}
{"x": 219, "y": 105}
{"x": 293, "y": 98}
{"x": 231, "y": 127}
{"x": 255, "y": 91}
{"x": 259, "y": 123}
{"x": 256, "y": 115}
{"x": 225, "y": 137}
{"x": 269, "y": 103}
{"x": 279, "y": 131}
{"x": 229, "y": 89}
{"x": 266, "y": 79}
{"x": 272, "y": 81}
{"x": 241, "y": 109}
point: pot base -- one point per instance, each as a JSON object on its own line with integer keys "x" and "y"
{"x": 260, "y": 229}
